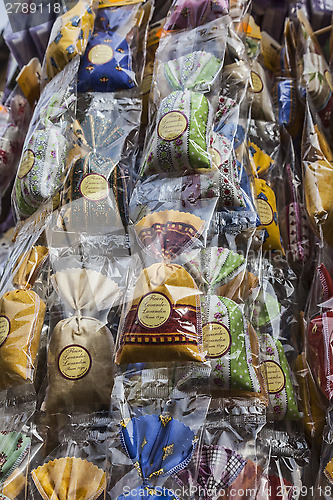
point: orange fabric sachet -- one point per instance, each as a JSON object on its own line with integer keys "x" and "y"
{"x": 164, "y": 321}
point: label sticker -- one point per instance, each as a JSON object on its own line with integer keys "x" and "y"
{"x": 154, "y": 310}
{"x": 216, "y": 339}
{"x": 256, "y": 82}
{"x": 275, "y": 377}
{"x": 216, "y": 157}
{"x": 28, "y": 161}
{"x": 74, "y": 362}
{"x": 172, "y": 125}
{"x": 100, "y": 54}
{"x": 265, "y": 212}
{"x": 94, "y": 187}
{"x": 4, "y": 329}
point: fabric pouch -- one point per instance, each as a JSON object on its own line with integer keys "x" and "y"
{"x": 69, "y": 476}
{"x": 42, "y": 166}
{"x": 180, "y": 139}
{"x": 159, "y": 446}
{"x": 80, "y": 352}
{"x": 321, "y": 356}
{"x": 224, "y": 159}
{"x": 218, "y": 467}
{"x": 268, "y": 216}
{"x": 317, "y": 159}
{"x": 163, "y": 321}
{"x": 11, "y": 140}
{"x": 222, "y": 272}
{"x": 43, "y": 160}
{"x": 319, "y": 85}
{"x": 289, "y": 112}
{"x": 188, "y": 14}
{"x": 262, "y": 106}
{"x": 21, "y": 318}
{"x": 297, "y": 225}
{"x": 231, "y": 345}
{"x": 277, "y": 374}
{"x": 107, "y": 64}
{"x": 94, "y": 196}
{"x": 14, "y": 447}
{"x": 69, "y": 36}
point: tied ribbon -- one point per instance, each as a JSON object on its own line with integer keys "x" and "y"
{"x": 159, "y": 446}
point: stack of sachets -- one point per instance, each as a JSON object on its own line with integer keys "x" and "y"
{"x": 174, "y": 203}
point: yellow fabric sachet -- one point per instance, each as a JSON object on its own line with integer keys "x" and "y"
{"x": 164, "y": 320}
{"x": 21, "y": 320}
{"x": 318, "y": 182}
{"x": 69, "y": 478}
{"x": 260, "y": 161}
{"x": 13, "y": 486}
{"x": 268, "y": 216}
{"x": 70, "y": 36}
{"x": 311, "y": 405}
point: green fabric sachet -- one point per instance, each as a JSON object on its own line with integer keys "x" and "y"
{"x": 180, "y": 140}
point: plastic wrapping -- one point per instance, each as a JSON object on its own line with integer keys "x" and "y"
{"x": 186, "y": 14}
{"x": 111, "y": 61}
{"x": 180, "y": 139}
{"x": 95, "y": 191}
{"x": 88, "y": 285}
{"x": 12, "y": 138}
{"x": 19, "y": 442}
{"x": 157, "y": 417}
{"x": 20, "y": 339}
{"x": 231, "y": 459}
{"x": 23, "y": 296}
{"x": 318, "y": 315}
{"x": 171, "y": 200}
{"x": 264, "y": 153}
{"x": 314, "y": 74}
{"x": 318, "y": 174}
{"x": 69, "y": 37}
{"x": 161, "y": 318}
{"x": 43, "y": 161}
{"x": 293, "y": 220}
{"x": 230, "y": 341}
{"x": 323, "y": 486}
{"x": 289, "y": 458}
{"x": 77, "y": 467}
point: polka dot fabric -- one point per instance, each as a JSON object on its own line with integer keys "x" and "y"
{"x": 234, "y": 354}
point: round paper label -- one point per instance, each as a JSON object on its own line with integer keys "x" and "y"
{"x": 94, "y": 187}
{"x": 154, "y": 310}
{"x": 172, "y": 125}
{"x": 4, "y": 329}
{"x": 27, "y": 162}
{"x": 216, "y": 339}
{"x": 265, "y": 212}
{"x": 74, "y": 362}
{"x": 256, "y": 82}
{"x": 216, "y": 157}
{"x": 275, "y": 377}
{"x": 100, "y": 54}
{"x": 146, "y": 83}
